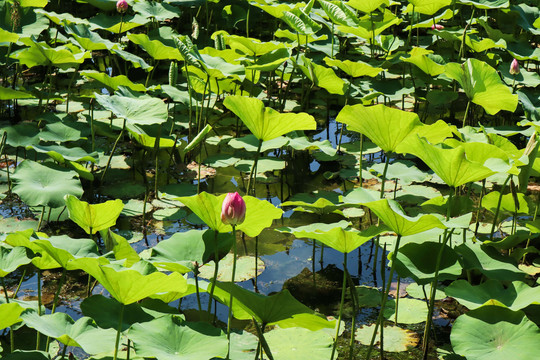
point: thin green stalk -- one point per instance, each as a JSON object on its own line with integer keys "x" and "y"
{"x": 216, "y": 268}
{"x": 384, "y": 175}
{"x": 39, "y": 304}
{"x": 57, "y": 294}
{"x": 64, "y": 352}
{"x": 479, "y": 207}
{"x": 385, "y": 298}
{"x": 429, "y": 318}
{"x": 11, "y": 336}
{"x": 119, "y": 331}
{"x": 112, "y": 151}
{"x": 262, "y": 340}
{"x": 466, "y": 113}
{"x": 196, "y": 272}
{"x": 254, "y": 169}
{"x": 462, "y": 47}
{"x": 41, "y": 217}
{"x": 343, "y": 287}
{"x": 498, "y": 208}
{"x": 19, "y": 285}
{"x": 229, "y": 318}
{"x": 354, "y": 296}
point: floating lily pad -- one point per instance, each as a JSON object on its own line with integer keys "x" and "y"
{"x": 395, "y": 339}
{"x": 136, "y": 207}
{"x": 245, "y": 268}
{"x": 299, "y": 343}
{"x": 410, "y": 311}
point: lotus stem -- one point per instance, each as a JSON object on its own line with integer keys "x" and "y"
{"x": 57, "y": 294}
{"x": 429, "y": 319}
{"x": 197, "y": 290}
{"x": 462, "y": 47}
{"x": 229, "y": 318}
{"x": 498, "y": 208}
{"x": 262, "y": 341}
{"x": 355, "y": 301}
{"x": 216, "y": 268}
{"x": 39, "y": 304}
{"x": 479, "y": 207}
{"x": 119, "y": 331}
{"x": 41, "y": 217}
{"x": 254, "y": 169}
{"x": 343, "y": 287}
{"x": 383, "y": 181}
{"x": 11, "y": 336}
{"x": 385, "y": 297}
{"x": 19, "y": 285}
{"x": 466, "y": 113}
{"x": 112, "y": 151}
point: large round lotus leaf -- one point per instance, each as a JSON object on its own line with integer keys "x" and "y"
{"x": 395, "y": 339}
{"x": 12, "y": 224}
{"x": 243, "y": 346}
{"x": 410, "y": 311}
{"x": 22, "y": 134}
{"x": 495, "y": 333}
{"x": 245, "y": 268}
{"x": 68, "y": 251}
{"x": 82, "y": 333}
{"x": 27, "y": 355}
{"x": 106, "y": 311}
{"x": 9, "y": 314}
{"x": 45, "y": 185}
{"x": 11, "y": 259}
{"x": 93, "y": 217}
{"x": 417, "y": 292}
{"x": 419, "y": 261}
{"x": 516, "y": 296}
{"x": 179, "y": 252}
{"x": 299, "y": 343}
{"x": 135, "y": 207}
{"x": 143, "y": 110}
{"x": 63, "y": 131}
{"x": 168, "y": 338}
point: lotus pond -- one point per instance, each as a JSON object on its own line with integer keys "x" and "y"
{"x": 220, "y": 179}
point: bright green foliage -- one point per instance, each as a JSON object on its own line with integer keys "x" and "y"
{"x": 11, "y": 259}
{"x": 93, "y": 217}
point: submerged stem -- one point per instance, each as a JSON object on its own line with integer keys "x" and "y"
{"x": 343, "y": 286}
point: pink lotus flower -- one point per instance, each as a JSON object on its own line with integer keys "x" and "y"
{"x": 122, "y": 6}
{"x": 233, "y": 210}
{"x": 437, "y": 27}
{"x": 514, "y": 67}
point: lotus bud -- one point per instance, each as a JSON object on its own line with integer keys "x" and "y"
{"x": 233, "y": 210}
{"x": 514, "y": 67}
{"x": 437, "y": 27}
{"x": 122, "y": 6}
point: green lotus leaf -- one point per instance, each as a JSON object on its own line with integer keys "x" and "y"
{"x": 250, "y": 46}
{"x": 392, "y": 215}
{"x": 42, "y": 54}
{"x": 179, "y": 252}
{"x": 251, "y": 143}
{"x": 259, "y": 213}
{"x": 410, "y": 311}
{"x": 299, "y": 343}
{"x": 106, "y": 311}
{"x": 11, "y": 94}
{"x": 264, "y": 164}
{"x": 366, "y": 30}
{"x": 487, "y": 4}
{"x": 300, "y": 22}
{"x": 323, "y": 77}
{"x": 120, "y": 247}
{"x": 155, "y": 48}
{"x": 115, "y": 82}
{"x": 271, "y": 61}
{"x": 429, "y": 7}
{"x": 105, "y": 5}
{"x": 93, "y": 217}
{"x": 10, "y": 314}
{"x": 116, "y": 23}
{"x": 67, "y": 251}
{"x": 83, "y": 333}
{"x": 64, "y": 18}
{"x": 418, "y": 56}
{"x": 88, "y": 39}
{"x": 484, "y": 44}
{"x": 135, "y": 60}
{"x": 170, "y": 338}
{"x": 266, "y": 123}
{"x": 508, "y": 204}
{"x": 158, "y": 11}
{"x": 493, "y": 332}
{"x": 144, "y": 110}
{"x": 451, "y": 165}
{"x": 516, "y": 296}
{"x": 419, "y": 262}
{"x": 383, "y": 125}
{"x": 22, "y": 134}
{"x": 44, "y": 185}
{"x": 339, "y": 13}
{"x": 64, "y": 130}
{"x": 405, "y": 172}
{"x": 7, "y": 36}
{"x": 277, "y": 9}
{"x": 61, "y": 154}
{"x": 245, "y": 268}
{"x": 489, "y": 155}
{"x": 417, "y": 291}
{"x": 278, "y": 309}
{"x": 354, "y": 68}
{"x": 11, "y": 259}
{"x": 26, "y": 238}
{"x": 27, "y": 355}
{"x": 129, "y": 285}
{"x": 395, "y": 338}
{"x": 367, "y": 6}
{"x": 482, "y": 85}
{"x": 302, "y": 142}
{"x": 489, "y": 262}
{"x": 342, "y": 240}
